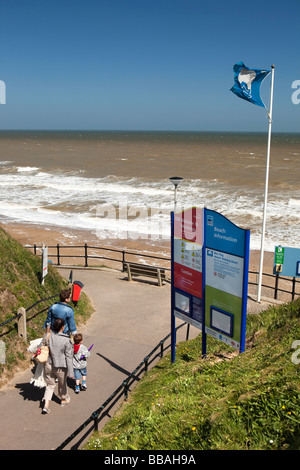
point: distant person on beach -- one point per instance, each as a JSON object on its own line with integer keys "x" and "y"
{"x": 59, "y": 365}
{"x": 62, "y": 310}
{"x": 81, "y": 353}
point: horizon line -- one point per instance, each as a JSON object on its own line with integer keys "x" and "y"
{"x": 149, "y": 130}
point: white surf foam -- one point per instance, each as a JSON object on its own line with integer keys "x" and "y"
{"x": 73, "y": 200}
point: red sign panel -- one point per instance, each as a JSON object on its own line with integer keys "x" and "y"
{"x": 188, "y": 241}
{"x": 188, "y": 280}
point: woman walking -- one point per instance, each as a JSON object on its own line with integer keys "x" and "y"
{"x": 59, "y": 364}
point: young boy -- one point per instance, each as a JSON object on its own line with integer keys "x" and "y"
{"x": 81, "y": 354}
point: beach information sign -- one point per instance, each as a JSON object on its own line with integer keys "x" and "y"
{"x": 210, "y": 262}
{"x": 226, "y": 279}
{"x": 187, "y": 265}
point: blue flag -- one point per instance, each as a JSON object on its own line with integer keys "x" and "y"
{"x": 247, "y": 83}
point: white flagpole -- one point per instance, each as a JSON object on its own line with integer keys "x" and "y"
{"x": 266, "y": 191}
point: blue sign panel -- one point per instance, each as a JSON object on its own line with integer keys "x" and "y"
{"x": 221, "y": 234}
{"x": 225, "y": 279}
{"x": 209, "y": 277}
{"x": 288, "y": 264}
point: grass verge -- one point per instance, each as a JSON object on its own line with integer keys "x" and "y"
{"x": 20, "y": 286}
{"x": 227, "y": 401}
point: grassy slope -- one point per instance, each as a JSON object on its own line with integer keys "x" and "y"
{"x": 227, "y": 401}
{"x": 20, "y": 286}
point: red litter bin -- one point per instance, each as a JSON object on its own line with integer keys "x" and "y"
{"x": 77, "y": 286}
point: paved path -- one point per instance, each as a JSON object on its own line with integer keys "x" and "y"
{"x": 130, "y": 319}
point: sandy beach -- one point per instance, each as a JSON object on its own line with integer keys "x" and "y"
{"x": 73, "y": 255}
{"x": 30, "y": 235}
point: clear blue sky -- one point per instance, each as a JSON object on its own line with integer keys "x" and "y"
{"x": 145, "y": 64}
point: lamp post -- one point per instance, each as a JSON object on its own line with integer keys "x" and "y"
{"x": 175, "y": 180}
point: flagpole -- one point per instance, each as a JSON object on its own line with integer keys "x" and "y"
{"x": 266, "y": 190}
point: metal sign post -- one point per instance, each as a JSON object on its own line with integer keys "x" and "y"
{"x": 209, "y": 276}
{"x": 44, "y": 262}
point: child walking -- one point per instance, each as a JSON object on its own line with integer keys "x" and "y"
{"x": 81, "y": 353}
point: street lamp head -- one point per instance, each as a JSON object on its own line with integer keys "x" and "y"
{"x": 175, "y": 180}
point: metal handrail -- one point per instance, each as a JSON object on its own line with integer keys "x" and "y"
{"x": 124, "y": 253}
{"x": 27, "y": 309}
{"x": 86, "y": 256}
{"x": 276, "y": 287}
{"x": 122, "y": 389}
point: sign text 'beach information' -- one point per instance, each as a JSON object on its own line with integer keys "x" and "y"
{"x": 210, "y": 261}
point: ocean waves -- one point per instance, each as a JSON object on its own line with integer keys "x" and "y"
{"x": 119, "y": 207}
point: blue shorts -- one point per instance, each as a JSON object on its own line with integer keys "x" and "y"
{"x": 79, "y": 372}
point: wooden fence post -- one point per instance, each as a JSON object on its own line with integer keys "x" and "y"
{"x": 123, "y": 260}
{"x": 86, "y": 254}
{"x": 294, "y": 285}
{"x": 276, "y": 286}
{"x": 58, "y": 256}
{"x": 22, "y": 330}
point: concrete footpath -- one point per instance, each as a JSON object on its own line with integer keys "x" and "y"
{"x": 130, "y": 319}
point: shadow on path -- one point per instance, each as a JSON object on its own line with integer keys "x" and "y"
{"x": 116, "y": 366}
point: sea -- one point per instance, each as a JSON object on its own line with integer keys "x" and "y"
{"x": 115, "y": 184}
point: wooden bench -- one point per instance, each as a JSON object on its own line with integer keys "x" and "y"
{"x": 134, "y": 269}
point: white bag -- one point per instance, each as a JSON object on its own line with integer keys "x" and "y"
{"x": 38, "y": 380}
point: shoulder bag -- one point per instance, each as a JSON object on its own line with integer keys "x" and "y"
{"x": 42, "y": 353}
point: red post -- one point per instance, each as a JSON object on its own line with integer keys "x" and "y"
{"x": 77, "y": 286}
